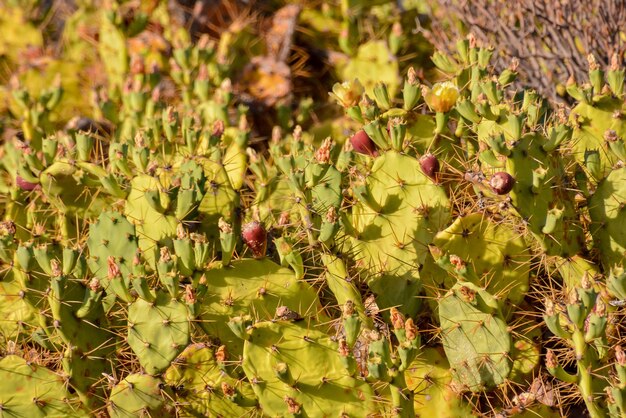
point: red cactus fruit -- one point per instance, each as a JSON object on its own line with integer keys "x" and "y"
{"x": 363, "y": 144}
{"x": 502, "y": 182}
{"x": 430, "y": 165}
{"x": 255, "y": 237}
{"x": 25, "y": 185}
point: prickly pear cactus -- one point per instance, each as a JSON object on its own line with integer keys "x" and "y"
{"x": 158, "y": 331}
{"x": 190, "y": 227}
{"x": 430, "y": 378}
{"x": 48, "y": 397}
{"x": 499, "y": 255}
{"x": 202, "y": 386}
{"x": 137, "y": 394}
{"x": 606, "y": 207}
{"x": 398, "y": 212}
{"x": 475, "y": 337}
{"x": 277, "y": 361}
{"x": 251, "y": 287}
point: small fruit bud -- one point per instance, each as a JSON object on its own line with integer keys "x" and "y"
{"x": 203, "y": 280}
{"x": 137, "y": 65}
{"x": 411, "y": 77}
{"x": 397, "y": 319}
{"x": 166, "y": 257}
{"x": 502, "y": 183}
{"x": 56, "y": 268}
{"x": 593, "y": 65}
{"x": 614, "y": 65}
{"x": 610, "y": 135}
{"x": 113, "y": 269}
{"x": 585, "y": 282}
{"x": 467, "y": 294}
{"x": 297, "y": 133}
{"x": 228, "y": 390}
{"x": 255, "y": 237}
{"x": 331, "y": 215}
{"x": 190, "y": 295}
{"x": 472, "y": 40}
{"x": 348, "y": 308}
{"x": 221, "y": 354}
{"x": 344, "y": 349}
{"x": 410, "y": 329}
{"x": 322, "y": 155}
{"x": 277, "y": 134}
{"x": 551, "y": 362}
{"x": 363, "y": 144}
{"x": 292, "y": 406}
{"x": 180, "y": 231}
{"x": 600, "y": 307}
{"x": 224, "y": 226}
{"x": 549, "y": 304}
{"x": 620, "y": 356}
{"x": 7, "y": 227}
{"x": 457, "y": 262}
{"x": 94, "y": 285}
{"x": 218, "y": 128}
{"x": 285, "y": 314}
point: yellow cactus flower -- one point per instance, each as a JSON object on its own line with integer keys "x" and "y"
{"x": 348, "y": 93}
{"x": 442, "y": 97}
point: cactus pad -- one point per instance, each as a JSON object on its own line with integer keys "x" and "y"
{"x": 278, "y": 359}
{"x": 475, "y": 337}
{"x": 157, "y": 331}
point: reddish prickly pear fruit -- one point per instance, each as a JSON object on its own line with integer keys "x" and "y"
{"x": 255, "y": 237}
{"x": 25, "y": 185}
{"x": 430, "y": 165}
{"x": 502, "y": 182}
{"x": 363, "y": 144}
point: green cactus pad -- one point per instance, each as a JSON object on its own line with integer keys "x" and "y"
{"x": 30, "y": 390}
{"x": 567, "y": 236}
{"x": 274, "y": 198}
{"x": 251, "y": 287}
{"x": 573, "y": 269}
{"x": 526, "y": 357}
{"x": 430, "y": 379}
{"x": 326, "y": 193}
{"x": 392, "y": 245}
{"x": 65, "y": 185}
{"x": 18, "y": 316}
{"x": 197, "y": 381}
{"x": 314, "y": 382}
{"x": 475, "y": 337}
{"x": 89, "y": 342}
{"x": 592, "y": 123}
{"x": 220, "y": 199}
{"x": 137, "y": 394}
{"x": 157, "y": 331}
{"x": 154, "y": 229}
{"x": 540, "y": 192}
{"x": 111, "y": 236}
{"x": 607, "y": 208}
{"x": 343, "y": 289}
{"x": 499, "y": 254}
{"x": 235, "y": 161}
